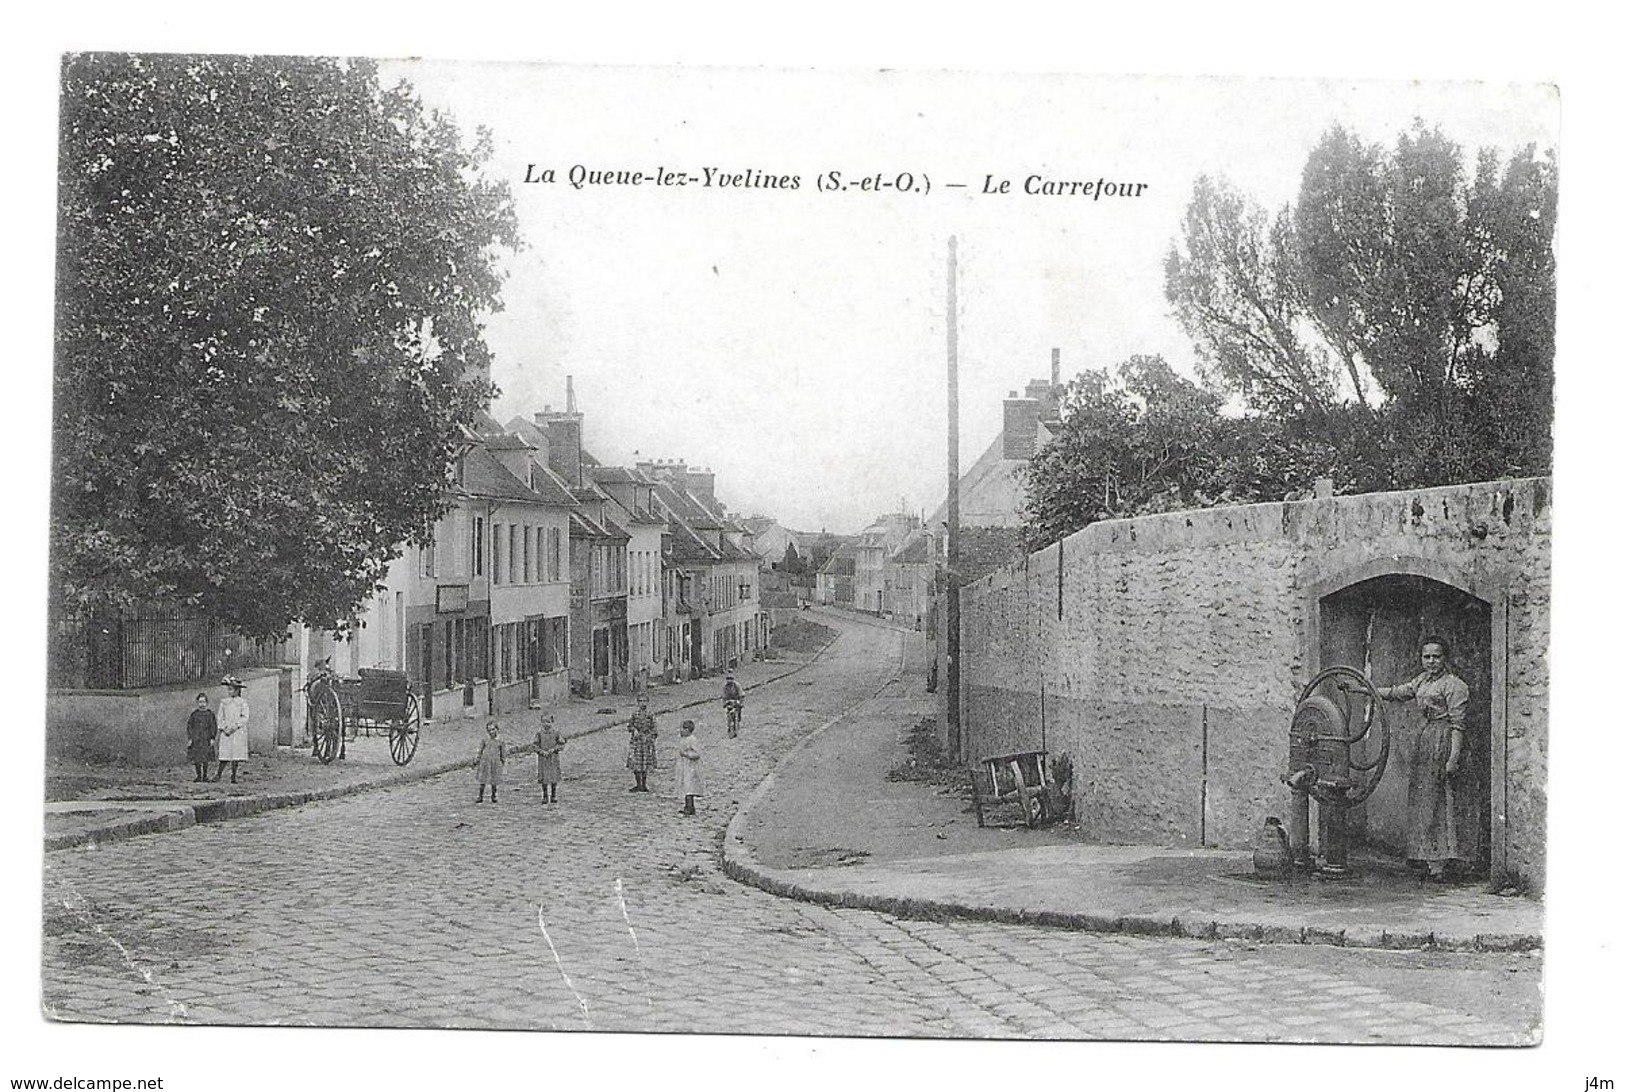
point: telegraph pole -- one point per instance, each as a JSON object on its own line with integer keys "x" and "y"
{"x": 955, "y": 731}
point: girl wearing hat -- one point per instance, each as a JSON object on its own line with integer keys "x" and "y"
{"x": 233, "y": 720}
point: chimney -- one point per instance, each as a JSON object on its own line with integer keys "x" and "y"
{"x": 563, "y": 431}
{"x": 1020, "y": 427}
{"x": 702, "y": 482}
{"x": 1055, "y": 367}
{"x": 671, "y": 471}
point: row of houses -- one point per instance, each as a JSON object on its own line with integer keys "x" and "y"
{"x": 887, "y": 570}
{"x": 552, "y": 573}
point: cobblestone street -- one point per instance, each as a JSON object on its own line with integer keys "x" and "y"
{"x": 415, "y": 906}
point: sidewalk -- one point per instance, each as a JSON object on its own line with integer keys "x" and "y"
{"x": 93, "y": 803}
{"x": 829, "y": 827}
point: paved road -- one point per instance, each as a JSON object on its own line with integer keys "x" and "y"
{"x": 416, "y": 907}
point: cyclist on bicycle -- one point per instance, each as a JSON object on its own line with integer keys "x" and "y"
{"x": 733, "y": 702}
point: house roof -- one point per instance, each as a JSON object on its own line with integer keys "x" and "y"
{"x": 635, "y": 515}
{"x": 640, "y": 517}
{"x": 916, "y": 551}
{"x": 685, "y": 507}
{"x": 843, "y": 562}
{"x": 584, "y": 526}
{"x": 483, "y": 476}
{"x": 991, "y": 493}
{"x": 529, "y": 430}
{"x": 507, "y": 441}
{"x": 616, "y": 475}
{"x": 487, "y": 426}
{"x": 550, "y": 486}
{"x": 588, "y": 493}
{"x": 730, "y": 552}
{"x": 687, "y": 546}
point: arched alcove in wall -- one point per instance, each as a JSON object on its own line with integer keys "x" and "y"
{"x": 1374, "y": 618}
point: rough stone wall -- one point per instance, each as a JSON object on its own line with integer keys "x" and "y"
{"x": 148, "y": 727}
{"x": 1165, "y": 653}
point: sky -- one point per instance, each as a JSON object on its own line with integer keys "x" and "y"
{"x": 794, "y": 341}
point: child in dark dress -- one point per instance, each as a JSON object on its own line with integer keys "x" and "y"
{"x": 201, "y": 728}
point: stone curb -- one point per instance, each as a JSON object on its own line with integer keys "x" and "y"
{"x": 242, "y": 807}
{"x": 740, "y": 864}
{"x": 179, "y": 817}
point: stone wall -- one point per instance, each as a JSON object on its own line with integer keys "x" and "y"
{"x": 1165, "y": 654}
{"x": 148, "y": 727}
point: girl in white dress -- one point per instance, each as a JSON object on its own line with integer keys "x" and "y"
{"x": 232, "y": 742}
{"x": 689, "y": 784}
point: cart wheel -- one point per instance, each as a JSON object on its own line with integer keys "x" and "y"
{"x": 1035, "y": 809}
{"x": 326, "y": 720}
{"x": 403, "y": 737}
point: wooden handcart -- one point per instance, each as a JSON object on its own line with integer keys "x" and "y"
{"x": 1021, "y": 780}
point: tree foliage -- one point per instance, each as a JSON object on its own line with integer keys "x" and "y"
{"x": 1399, "y": 312}
{"x": 1142, "y": 438}
{"x": 272, "y": 275}
{"x": 793, "y": 562}
{"x": 1391, "y": 329}
{"x": 1235, "y": 288}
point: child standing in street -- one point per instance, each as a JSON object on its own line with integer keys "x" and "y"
{"x": 640, "y": 751}
{"x": 231, "y": 744}
{"x": 548, "y": 745}
{"x": 201, "y": 728}
{"x": 491, "y": 758}
{"x": 688, "y": 767}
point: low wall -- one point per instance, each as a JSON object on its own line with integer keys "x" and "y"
{"x": 516, "y": 697}
{"x": 449, "y": 703}
{"x": 1165, "y": 654}
{"x": 148, "y": 727}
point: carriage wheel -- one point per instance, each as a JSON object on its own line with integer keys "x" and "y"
{"x": 326, "y": 720}
{"x": 403, "y": 737}
{"x": 1033, "y": 804}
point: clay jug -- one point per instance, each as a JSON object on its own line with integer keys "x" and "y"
{"x": 1272, "y": 856}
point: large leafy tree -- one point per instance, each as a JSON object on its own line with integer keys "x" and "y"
{"x": 1399, "y": 313}
{"x": 272, "y": 275}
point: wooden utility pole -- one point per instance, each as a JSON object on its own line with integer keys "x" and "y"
{"x": 955, "y": 731}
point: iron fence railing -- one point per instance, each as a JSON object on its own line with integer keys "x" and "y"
{"x": 150, "y": 646}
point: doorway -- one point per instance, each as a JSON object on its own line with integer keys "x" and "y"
{"x": 1377, "y": 625}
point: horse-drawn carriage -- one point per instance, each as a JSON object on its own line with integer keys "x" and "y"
{"x": 379, "y": 701}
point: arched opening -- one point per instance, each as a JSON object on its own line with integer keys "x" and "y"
{"x": 1377, "y": 623}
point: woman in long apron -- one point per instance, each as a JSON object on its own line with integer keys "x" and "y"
{"x": 1441, "y": 809}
